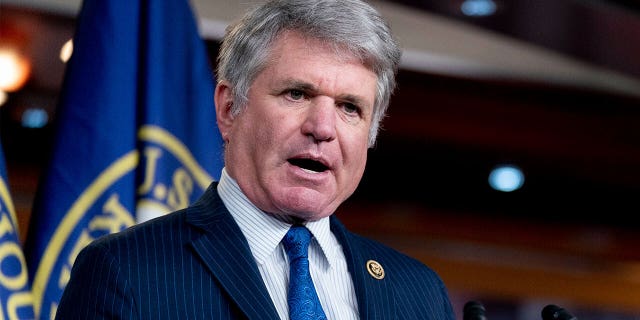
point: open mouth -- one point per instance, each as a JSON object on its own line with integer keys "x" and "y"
{"x": 309, "y": 164}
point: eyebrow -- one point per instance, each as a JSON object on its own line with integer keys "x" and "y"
{"x": 310, "y": 88}
{"x": 300, "y": 85}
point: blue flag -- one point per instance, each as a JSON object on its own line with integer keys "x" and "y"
{"x": 135, "y": 133}
{"x": 15, "y": 294}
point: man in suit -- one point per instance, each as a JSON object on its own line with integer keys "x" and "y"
{"x": 302, "y": 88}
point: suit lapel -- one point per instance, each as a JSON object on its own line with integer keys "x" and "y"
{"x": 375, "y": 297}
{"x": 225, "y": 251}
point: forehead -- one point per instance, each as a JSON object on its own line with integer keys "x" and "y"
{"x": 293, "y": 38}
{"x": 318, "y": 61}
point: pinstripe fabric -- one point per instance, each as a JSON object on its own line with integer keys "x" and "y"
{"x": 196, "y": 264}
{"x": 409, "y": 290}
{"x": 264, "y": 234}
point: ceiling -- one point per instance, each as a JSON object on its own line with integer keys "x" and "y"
{"x": 598, "y": 32}
{"x": 550, "y": 86}
{"x": 583, "y": 43}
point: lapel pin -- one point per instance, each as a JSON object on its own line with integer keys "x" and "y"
{"x": 375, "y": 269}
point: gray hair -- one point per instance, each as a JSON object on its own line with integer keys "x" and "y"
{"x": 352, "y": 26}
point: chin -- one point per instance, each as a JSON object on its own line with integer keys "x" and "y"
{"x": 300, "y": 217}
{"x": 306, "y": 204}
{"x": 306, "y": 212}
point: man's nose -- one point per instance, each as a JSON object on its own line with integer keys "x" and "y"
{"x": 320, "y": 120}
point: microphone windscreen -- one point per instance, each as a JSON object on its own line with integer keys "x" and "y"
{"x": 473, "y": 310}
{"x": 553, "y": 312}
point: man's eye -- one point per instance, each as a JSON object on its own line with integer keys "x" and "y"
{"x": 296, "y": 94}
{"x": 351, "y": 108}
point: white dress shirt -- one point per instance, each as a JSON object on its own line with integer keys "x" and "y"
{"x": 327, "y": 262}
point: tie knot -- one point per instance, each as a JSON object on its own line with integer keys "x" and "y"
{"x": 296, "y": 242}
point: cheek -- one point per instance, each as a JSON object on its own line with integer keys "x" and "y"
{"x": 256, "y": 128}
{"x": 356, "y": 170}
{"x": 357, "y": 155}
{"x": 263, "y": 136}
{"x": 362, "y": 162}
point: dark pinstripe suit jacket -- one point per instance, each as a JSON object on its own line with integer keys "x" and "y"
{"x": 196, "y": 264}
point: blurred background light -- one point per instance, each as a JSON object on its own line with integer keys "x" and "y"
{"x": 506, "y": 178}
{"x": 14, "y": 70}
{"x": 35, "y": 118}
{"x": 3, "y": 97}
{"x": 478, "y": 8}
{"x": 66, "y": 51}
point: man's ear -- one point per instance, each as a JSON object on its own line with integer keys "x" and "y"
{"x": 223, "y": 99}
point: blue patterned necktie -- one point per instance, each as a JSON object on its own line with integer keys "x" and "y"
{"x": 303, "y": 299}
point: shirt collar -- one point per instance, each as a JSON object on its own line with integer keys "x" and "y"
{"x": 263, "y": 231}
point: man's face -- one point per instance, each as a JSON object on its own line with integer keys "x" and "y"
{"x": 299, "y": 148}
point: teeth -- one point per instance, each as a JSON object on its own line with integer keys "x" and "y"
{"x": 310, "y": 171}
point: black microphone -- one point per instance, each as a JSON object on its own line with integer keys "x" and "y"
{"x": 473, "y": 310}
{"x": 553, "y": 312}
